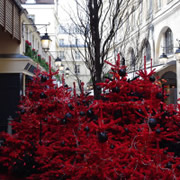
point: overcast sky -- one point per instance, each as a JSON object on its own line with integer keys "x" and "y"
{"x": 66, "y": 7}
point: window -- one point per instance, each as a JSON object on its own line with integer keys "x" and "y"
{"x": 146, "y": 51}
{"x": 140, "y": 13}
{"x": 77, "y": 30}
{"x": 61, "y": 54}
{"x": 76, "y": 41}
{"x": 127, "y": 22}
{"x": 168, "y": 1}
{"x": 133, "y": 18}
{"x": 158, "y": 4}
{"x": 133, "y": 59}
{"x": 77, "y": 55}
{"x": 168, "y": 41}
{"x": 149, "y": 7}
{"x": 61, "y": 42}
{"x": 77, "y": 69}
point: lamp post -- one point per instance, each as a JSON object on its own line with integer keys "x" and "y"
{"x": 45, "y": 40}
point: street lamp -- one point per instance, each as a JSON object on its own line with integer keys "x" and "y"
{"x": 177, "y": 53}
{"x": 67, "y": 71}
{"x": 45, "y": 40}
{"x": 163, "y": 57}
{"x": 58, "y": 62}
{"x": 61, "y": 68}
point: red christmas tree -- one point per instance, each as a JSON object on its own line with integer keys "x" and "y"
{"x": 129, "y": 134}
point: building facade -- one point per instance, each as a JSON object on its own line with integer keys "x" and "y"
{"x": 150, "y": 29}
{"x": 17, "y": 65}
{"x": 71, "y": 52}
{"x": 44, "y": 14}
{"x": 14, "y": 65}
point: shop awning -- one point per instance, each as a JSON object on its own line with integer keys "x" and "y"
{"x": 157, "y": 68}
{"x": 17, "y": 63}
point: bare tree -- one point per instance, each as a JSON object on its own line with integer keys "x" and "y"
{"x": 99, "y": 22}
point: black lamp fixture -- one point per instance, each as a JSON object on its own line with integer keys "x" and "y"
{"x": 163, "y": 57}
{"x": 67, "y": 71}
{"x": 177, "y": 53}
{"x": 61, "y": 68}
{"x": 58, "y": 62}
{"x": 45, "y": 40}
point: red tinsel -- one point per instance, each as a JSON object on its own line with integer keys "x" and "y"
{"x": 129, "y": 134}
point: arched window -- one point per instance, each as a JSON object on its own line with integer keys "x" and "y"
{"x": 133, "y": 59}
{"x": 168, "y": 41}
{"x": 146, "y": 50}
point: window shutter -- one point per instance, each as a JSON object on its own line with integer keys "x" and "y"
{"x": 10, "y": 18}
{"x": 17, "y": 30}
{"x": 2, "y": 12}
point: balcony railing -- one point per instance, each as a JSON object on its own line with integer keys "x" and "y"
{"x": 72, "y": 45}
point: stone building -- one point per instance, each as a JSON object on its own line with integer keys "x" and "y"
{"x": 151, "y": 29}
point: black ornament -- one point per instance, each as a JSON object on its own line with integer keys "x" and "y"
{"x": 139, "y": 95}
{"x": 140, "y": 111}
{"x": 139, "y": 130}
{"x": 30, "y": 94}
{"x": 95, "y": 117}
{"x": 45, "y": 119}
{"x": 63, "y": 121}
{"x": 90, "y": 113}
{"x": 43, "y": 78}
{"x": 102, "y": 137}
{"x": 122, "y": 72}
{"x": 117, "y": 114}
{"x": 98, "y": 88}
{"x": 178, "y": 167}
{"x": 152, "y": 122}
{"x": 86, "y": 129}
{"x": 78, "y": 103}
{"x": 169, "y": 165}
{"x": 158, "y": 131}
{"x": 104, "y": 98}
{"x": 68, "y": 116}
{"x": 66, "y": 86}
{"x": 152, "y": 78}
{"x": 63, "y": 143}
{"x": 39, "y": 108}
{"x": 70, "y": 106}
{"x": 112, "y": 146}
{"x": 115, "y": 90}
{"x": 23, "y": 111}
{"x": 159, "y": 95}
{"x": 166, "y": 113}
{"x": 43, "y": 96}
{"x": 126, "y": 130}
{"x": 82, "y": 113}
